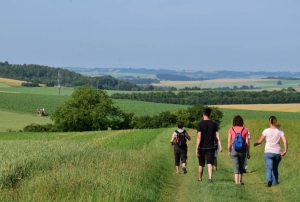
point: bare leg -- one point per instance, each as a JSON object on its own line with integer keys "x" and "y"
{"x": 238, "y": 178}
{"x": 200, "y": 172}
{"x": 215, "y": 163}
{"x": 209, "y": 169}
{"x": 177, "y": 169}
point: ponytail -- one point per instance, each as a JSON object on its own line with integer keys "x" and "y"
{"x": 273, "y": 121}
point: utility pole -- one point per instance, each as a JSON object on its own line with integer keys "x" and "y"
{"x": 58, "y": 81}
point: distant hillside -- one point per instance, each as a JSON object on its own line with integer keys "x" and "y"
{"x": 189, "y": 74}
{"x": 49, "y": 76}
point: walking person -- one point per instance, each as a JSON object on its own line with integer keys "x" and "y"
{"x": 178, "y": 140}
{"x": 205, "y": 149}
{"x": 273, "y": 153}
{"x": 238, "y": 147}
{"x": 218, "y": 147}
{"x": 245, "y": 163}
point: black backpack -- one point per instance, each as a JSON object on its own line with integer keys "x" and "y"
{"x": 181, "y": 138}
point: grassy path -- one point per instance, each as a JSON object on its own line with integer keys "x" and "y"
{"x": 185, "y": 187}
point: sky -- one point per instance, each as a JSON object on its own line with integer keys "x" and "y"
{"x": 207, "y": 35}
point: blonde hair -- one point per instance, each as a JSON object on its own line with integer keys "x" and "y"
{"x": 273, "y": 121}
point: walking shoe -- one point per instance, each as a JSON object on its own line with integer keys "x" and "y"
{"x": 199, "y": 180}
{"x": 241, "y": 183}
{"x": 269, "y": 183}
{"x": 210, "y": 181}
{"x": 184, "y": 170}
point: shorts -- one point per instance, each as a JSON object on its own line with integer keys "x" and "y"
{"x": 238, "y": 159}
{"x": 216, "y": 150}
{"x": 180, "y": 154}
{"x": 206, "y": 154}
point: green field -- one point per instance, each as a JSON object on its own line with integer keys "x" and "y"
{"x": 129, "y": 165}
{"x": 19, "y": 109}
{"x": 37, "y": 90}
{"x": 137, "y": 165}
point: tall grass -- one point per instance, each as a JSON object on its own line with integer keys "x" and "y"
{"x": 97, "y": 169}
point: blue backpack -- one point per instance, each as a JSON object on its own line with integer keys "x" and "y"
{"x": 238, "y": 143}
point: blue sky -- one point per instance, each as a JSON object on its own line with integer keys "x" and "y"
{"x": 239, "y": 35}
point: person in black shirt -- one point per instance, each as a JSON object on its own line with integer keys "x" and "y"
{"x": 205, "y": 149}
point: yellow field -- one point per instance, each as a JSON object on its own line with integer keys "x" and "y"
{"x": 264, "y": 107}
{"x": 13, "y": 82}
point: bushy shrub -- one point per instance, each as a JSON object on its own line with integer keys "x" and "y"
{"x": 39, "y": 128}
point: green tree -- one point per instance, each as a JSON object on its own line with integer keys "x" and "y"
{"x": 87, "y": 110}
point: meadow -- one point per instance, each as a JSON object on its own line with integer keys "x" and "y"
{"x": 132, "y": 165}
{"x": 137, "y": 165}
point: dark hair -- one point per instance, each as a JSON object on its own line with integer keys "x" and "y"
{"x": 273, "y": 121}
{"x": 180, "y": 124}
{"x": 238, "y": 121}
{"x": 206, "y": 111}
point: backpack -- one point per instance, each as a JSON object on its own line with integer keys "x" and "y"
{"x": 181, "y": 138}
{"x": 238, "y": 143}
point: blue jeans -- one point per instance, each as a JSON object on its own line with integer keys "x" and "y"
{"x": 272, "y": 161}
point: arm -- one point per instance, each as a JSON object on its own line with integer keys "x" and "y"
{"x": 198, "y": 140}
{"x": 247, "y": 147}
{"x": 188, "y": 136}
{"x": 219, "y": 141}
{"x": 172, "y": 139}
{"x": 261, "y": 139}
{"x": 285, "y": 144}
{"x": 229, "y": 144}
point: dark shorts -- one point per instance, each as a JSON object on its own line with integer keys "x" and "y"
{"x": 180, "y": 154}
{"x": 206, "y": 154}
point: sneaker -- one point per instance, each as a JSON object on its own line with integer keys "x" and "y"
{"x": 210, "y": 181}
{"x": 241, "y": 183}
{"x": 199, "y": 180}
{"x": 184, "y": 170}
{"x": 269, "y": 183}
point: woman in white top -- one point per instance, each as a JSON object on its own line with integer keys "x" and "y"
{"x": 273, "y": 153}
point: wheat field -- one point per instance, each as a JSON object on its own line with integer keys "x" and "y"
{"x": 264, "y": 107}
{"x": 11, "y": 82}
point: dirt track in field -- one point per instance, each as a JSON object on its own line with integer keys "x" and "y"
{"x": 265, "y": 107}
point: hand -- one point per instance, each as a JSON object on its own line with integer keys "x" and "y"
{"x": 229, "y": 153}
{"x": 220, "y": 149}
{"x": 255, "y": 144}
{"x": 172, "y": 143}
{"x": 248, "y": 156}
{"x": 282, "y": 154}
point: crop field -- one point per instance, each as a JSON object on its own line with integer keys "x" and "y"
{"x": 265, "y": 84}
{"x": 19, "y": 110}
{"x": 264, "y": 107}
{"x": 29, "y": 103}
{"x": 138, "y": 165}
{"x": 15, "y": 121}
{"x": 38, "y": 90}
{"x": 10, "y": 82}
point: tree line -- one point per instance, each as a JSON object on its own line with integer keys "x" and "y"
{"x": 214, "y": 97}
{"x": 90, "y": 109}
{"x": 38, "y": 74}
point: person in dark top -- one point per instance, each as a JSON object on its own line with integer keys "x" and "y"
{"x": 205, "y": 149}
{"x": 178, "y": 140}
